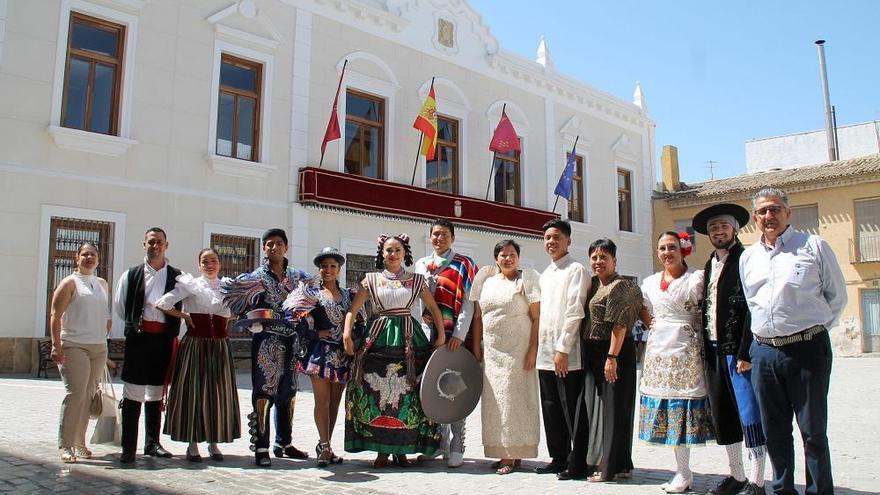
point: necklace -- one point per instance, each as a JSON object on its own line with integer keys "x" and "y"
{"x": 664, "y": 284}
{"x": 393, "y": 276}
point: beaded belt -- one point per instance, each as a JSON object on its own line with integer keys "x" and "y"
{"x": 801, "y": 336}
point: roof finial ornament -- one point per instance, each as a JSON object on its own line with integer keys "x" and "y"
{"x": 544, "y": 54}
{"x": 639, "y": 98}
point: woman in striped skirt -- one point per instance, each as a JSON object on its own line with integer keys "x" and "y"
{"x": 203, "y": 401}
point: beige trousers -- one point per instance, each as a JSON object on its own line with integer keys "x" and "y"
{"x": 81, "y": 370}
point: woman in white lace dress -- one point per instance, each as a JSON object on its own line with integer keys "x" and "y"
{"x": 674, "y": 408}
{"x": 508, "y": 300}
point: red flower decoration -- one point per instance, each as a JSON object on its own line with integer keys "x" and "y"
{"x": 686, "y": 245}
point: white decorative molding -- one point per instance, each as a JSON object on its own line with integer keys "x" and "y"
{"x": 461, "y": 102}
{"x": 516, "y": 115}
{"x": 363, "y": 11}
{"x": 267, "y": 62}
{"x": 533, "y": 76}
{"x": 249, "y": 11}
{"x": 46, "y": 214}
{"x": 89, "y": 142}
{"x": 623, "y": 149}
{"x": 572, "y": 129}
{"x": 116, "y": 11}
{"x": 244, "y": 169}
{"x": 130, "y": 6}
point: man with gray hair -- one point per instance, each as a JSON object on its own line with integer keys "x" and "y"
{"x": 796, "y": 293}
{"x": 728, "y": 336}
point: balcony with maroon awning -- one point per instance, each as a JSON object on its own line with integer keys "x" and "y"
{"x": 373, "y": 196}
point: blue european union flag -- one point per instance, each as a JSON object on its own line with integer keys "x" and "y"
{"x": 563, "y": 188}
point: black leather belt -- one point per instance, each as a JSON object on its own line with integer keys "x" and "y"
{"x": 801, "y": 336}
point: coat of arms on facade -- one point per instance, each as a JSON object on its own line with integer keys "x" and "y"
{"x": 446, "y": 33}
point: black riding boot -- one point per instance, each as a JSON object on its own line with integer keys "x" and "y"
{"x": 153, "y": 427}
{"x": 131, "y": 413}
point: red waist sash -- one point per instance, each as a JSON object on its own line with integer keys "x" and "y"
{"x": 207, "y": 326}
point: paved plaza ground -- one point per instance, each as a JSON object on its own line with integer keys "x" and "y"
{"x": 30, "y": 463}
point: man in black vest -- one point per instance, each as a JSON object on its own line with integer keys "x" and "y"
{"x": 728, "y": 336}
{"x": 150, "y": 336}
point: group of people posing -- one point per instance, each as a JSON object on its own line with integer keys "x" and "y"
{"x": 733, "y": 351}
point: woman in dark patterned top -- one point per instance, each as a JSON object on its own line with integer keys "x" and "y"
{"x": 613, "y": 306}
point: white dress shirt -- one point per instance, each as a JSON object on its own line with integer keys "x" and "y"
{"x": 712, "y": 295}
{"x": 154, "y": 288}
{"x": 793, "y": 285}
{"x": 564, "y": 287}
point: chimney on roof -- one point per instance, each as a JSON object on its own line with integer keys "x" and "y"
{"x": 669, "y": 168}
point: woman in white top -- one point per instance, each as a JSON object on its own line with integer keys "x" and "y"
{"x": 79, "y": 322}
{"x": 674, "y": 409}
{"x": 203, "y": 401}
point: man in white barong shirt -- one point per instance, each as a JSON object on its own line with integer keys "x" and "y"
{"x": 564, "y": 286}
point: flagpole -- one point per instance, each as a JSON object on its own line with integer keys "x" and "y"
{"x": 416, "y": 164}
{"x": 494, "y": 154}
{"x": 421, "y": 137}
{"x": 491, "y": 173}
{"x": 555, "y": 203}
{"x": 335, "y": 101}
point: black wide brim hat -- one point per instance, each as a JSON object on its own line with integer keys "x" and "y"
{"x": 702, "y": 218}
{"x": 451, "y": 385}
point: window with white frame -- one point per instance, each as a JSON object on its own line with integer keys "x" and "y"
{"x": 238, "y": 108}
{"x": 241, "y": 106}
{"x": 92, "y": 87}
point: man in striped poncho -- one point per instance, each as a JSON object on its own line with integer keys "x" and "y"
{"x": 450, "y": 276}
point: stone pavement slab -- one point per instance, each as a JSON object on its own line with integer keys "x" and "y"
{"x": 30, "y": 463}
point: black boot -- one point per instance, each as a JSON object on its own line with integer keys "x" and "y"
{"x": 131, "y": 413}
{"x": 152, "y": 427}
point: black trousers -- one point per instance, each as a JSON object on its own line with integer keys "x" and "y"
{"x": 793, "y": 380}
{"x": 612, "y": 405}
{"x": 725, "y": 414}
{"x": 561, "y": 446}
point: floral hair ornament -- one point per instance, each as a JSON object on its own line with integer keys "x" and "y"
{"x": 687, "y": 246}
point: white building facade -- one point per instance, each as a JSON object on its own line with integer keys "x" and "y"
{"x": 811, "y": 148}
{"x": 203, "y": 117}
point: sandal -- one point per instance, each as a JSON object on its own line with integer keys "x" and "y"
{"x": 597, "y": 477}
{"x": 325, "y": 454}
{"x": 506, "y": 468}
{"x": 381, "y": 461}
{"x": 497, "y": 464}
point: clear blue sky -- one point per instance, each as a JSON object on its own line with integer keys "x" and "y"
{"x": 715, "y": 74}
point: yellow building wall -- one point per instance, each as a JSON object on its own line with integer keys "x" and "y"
{"x": 836, "y": 226}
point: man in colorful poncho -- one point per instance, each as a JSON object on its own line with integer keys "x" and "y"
{"x": 450, "y": 276}
{"x": 273, "y": 348}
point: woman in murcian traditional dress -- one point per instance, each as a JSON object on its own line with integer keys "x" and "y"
{"x": 674, "y": 408}
{"x": 203, "y": 400}
{"x": 383, "y": 412}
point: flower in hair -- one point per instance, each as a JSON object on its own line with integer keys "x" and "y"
{"x": 686, "y": 245}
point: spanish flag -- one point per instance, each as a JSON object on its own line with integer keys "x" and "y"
{"x": 426, "y": 122}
